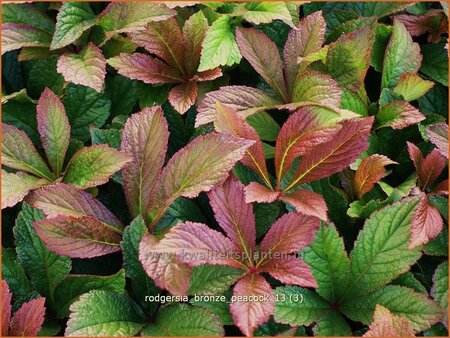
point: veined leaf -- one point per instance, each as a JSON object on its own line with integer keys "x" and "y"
{"x": 183, "y": 96}
{"x": 435, "y": 62}
{"x": 28, "y": 320}
{"x": 255, "y": 192}
{"x": 144, "y": 139}
{"x": 82, "y": 237}
{"x": 312, "y": 86}
{"x": 307, "y": 202}
{"x": 6, "y": 308}
{"x": 26, "y": 13}
{"x": 17, "y": 35}
{"x": 332, "y": 324}
{"x": 398, "y": 115}
{"x": 94, "y": 165}
{"x": 54, "y": 129}
{"x": 290, "y": 270}
{"x": 115, "y": 315}
{"x": 265, "y": 125}
{"x": 439, "y": 290}
{"x": 266, "y": 12}
{"x": 87, "y": 68}
{"x": 194, "y": 32}
{"x": 213, "y": 279}
{"x": 412, "y": 86}
{"x": 72, "y": 20}
{"x": 438, "y": 134}
{"x": 15, "y": 186}
{"x": 386, "y": 324}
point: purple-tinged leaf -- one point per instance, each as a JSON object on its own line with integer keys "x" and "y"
{"x": 305, "y": 40}
{"x": 87, "y": 68}
{"x": 370, "y": 171}
{"x": 163, "y": 268}
{"x": 398, "y": 115}
{"x": 65, "y": 199}
{"x": 290, "y": 270}
{"x": 255, "y": 192}
{"x": 142, "y": 67}
{"x": 234, "y": 215}
{"x": 386, "y": 324}
{"x": 335, "y": 155}
{"x": 54, "y": 129}
{"x": 194, "y": 31}
{"x": 6, "y": 308}
{"x": 183, "y": 96}
{"x": 290, "y": 233}
{"x": 433, "y": 22}
{"x": 18, "y": 152}
{"x": 94, "y": 165}
{"x": 307, "y": 202}
{"x": 438, "y": 134}
{"x": 17, "y": 35}
{"x": 28, "y": 319}
{"x": 15, "y": 186}
{"x": 248, "y": 315}
{"x": 263, "y": 55}
{"x": 144, "y": 139}
{"x": 78, "y": 237}
{"x": 245, "y": 100}
{"x": 207, "y": 75}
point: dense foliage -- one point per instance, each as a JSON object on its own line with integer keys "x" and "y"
{"x": 255, "y": 168}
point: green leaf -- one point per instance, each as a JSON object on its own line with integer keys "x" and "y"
{"x": 122, "y": 93}
{"x": 221, "y": 309}
{"x": 355, "y": 101}
{"x": 329, "y": 263}
{"x": 402, "y": 56}
{"x": 85, "y": 107}
{"x": 408, "y": 280}
{"x": 381, "y": 250}
{"x": 265, "y": 215}
{"x": 398, "y": 115}
{"x": 362, "y": 8}
{"x": 43, "y": 74}
{"x": 264, "y": 124}
{"x": 411, "y": 86}
{"x": 74, "y": 286}
{"x": 184, "y": 320}
{"x": 439, "y": 245}
{"x": 298, "y": 306}
{"x": 439, "y": 291}
{"x": 266, "y": 11}
{"x": 435, "y": 62}
{"x": 27, "y": 13}
{"x": 73, "y": 19}
{"x": 16, "y": 36}
{"x": 351, "y": 26}
{"x": 419, "y": 309}
{"x": 332, "y": 324}
{"x": 435, "y": 101}
{"x": 111, "y": 137}
{"x": 103, "y": 313}
{"x": 219, "y": 47}
{"x": 213, "y": 279}
{"x": 44, "y": 268}
{"x": 382, "y": 35}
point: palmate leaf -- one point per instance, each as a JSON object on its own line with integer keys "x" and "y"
{"x": 17, "y": 35}
{"x": 386, "y": 324}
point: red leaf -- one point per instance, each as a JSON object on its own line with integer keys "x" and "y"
{"x": 6, "y": 308}
{"x": 234, "y": 215}
{"x": 248, "y": 314}
{"x": 82, "y": 237}
{"x": 27, "y": 321}
{"x": 290, "y": 233}
{"x": 335, "y": 155}
{"x": 369, "y": 172}
{"x": 207, "y": 75}
{"x": 427, "y": 223}
{"x": 438, "y": 134}
{"x": 183, "y": 96}
{"x": 263, "y": 55}
{"x": 228, "y": 121}
{"x": 163, "y": 268}
{"x": 255, "y": 192}
{"x": 441, "y": 188}
{"x": 433, "y": 22}
{"x": 386, "y": 324}
{"x": 290, "y": 270}
{"x": 142, "y": 67}
{"x": 428, "y": 169}
{"x": 308, "y": 203}
{"x": 144, "y": 139}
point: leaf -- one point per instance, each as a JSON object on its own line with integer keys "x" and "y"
{"x": 307, "y": 202}
{"x": 266, "y": 12}
{"x": 183, "y": 96}
{"x": 332, "y": 324}
{"x": 44, "y": 268}
{"x": 213, "y": 279}
{"x": 87, "y": 68}
{"x": 402, "y": 56}
{"x": 439, "y": 290}
{"x": 312, "y": 86}
{"x": 398, "y": 115}
{"x": 351, "y": 26}
{"x": 335, "y": 155}
{"x": 26, "y": 13}
{"x": 194, "y": 32}
{"x": 418, "y": 308}
{"x": 264, "y": 124}
{"x": 228, "y": 121}
{"x": 290, "y": 270}
{"x": 73, "y": 286}
{"x": 73, "y": 19}
{"x": 6, "y": 308}
{"x": 93, "y": 166}
{"x": 370, "y": 171}
{"x": 427, "y": 223}
{"x": 85, "y": 108}
{"x": 245, "y": 100}
{"x": 82, "y": 237}
{"x": 329, "y": 263}
{"x": 123, "y": 95}
{"x": 115, "y": 315}
{"x": 133, "y": 16}
{"x": 54, "y": 129}
{"x": 386, "y": 233}
{"x": 255, "y": 192}
{"x": 290, "y": 233}
{"x": 219, "y": 47}
{"x": 15, "y": 186}
{"x": 28, "y": 320}
{"x": 435, "y": 62}
{"x": 438, "y": 134}
{"x": 184, "y": 320}
{"x": 18, "y": 152}
{"x": 298, "y": 306}
{"x": 263, "y": 55}
{"x": 248, "y": 315}
{"x": 43, "y": 75}
{"x": 348, "y": 58}
{"x": 65, "y": 199}
{"x": 386, "y": 324}
{"x": 17, "y": 35}
{"x": 412, "y": 86}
